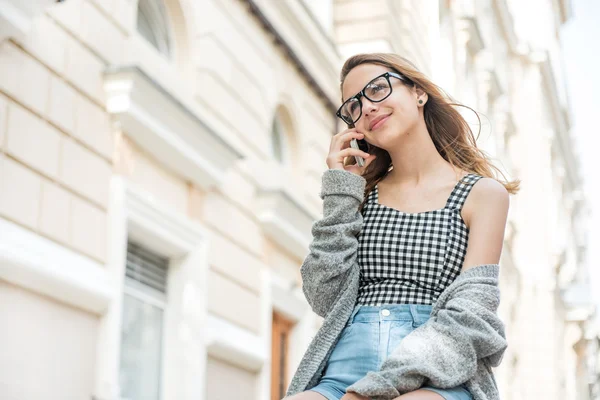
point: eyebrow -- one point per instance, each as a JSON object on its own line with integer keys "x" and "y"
{"x": 355, "y": 94}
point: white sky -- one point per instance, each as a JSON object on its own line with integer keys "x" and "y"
{"x": 581, "y": 52}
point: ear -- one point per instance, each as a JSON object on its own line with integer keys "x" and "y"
{"x": 421, "y": 96}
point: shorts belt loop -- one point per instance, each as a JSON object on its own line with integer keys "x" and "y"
{"x": 354, "y": 312}
{"x": 414, "y": 314}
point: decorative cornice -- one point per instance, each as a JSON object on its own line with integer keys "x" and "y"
{"x": 16, "y": 16}
{"x": 166, "y": 128}
{"x": 326, "y": 37}
{"x": 287, "y": 48}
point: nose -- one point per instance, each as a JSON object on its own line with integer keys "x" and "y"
{"x": 368, "y": 106}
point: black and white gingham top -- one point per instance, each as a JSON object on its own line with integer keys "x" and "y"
{"x": 410, "y": 258}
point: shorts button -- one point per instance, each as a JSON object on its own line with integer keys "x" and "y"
{"x": 385, "y": 313}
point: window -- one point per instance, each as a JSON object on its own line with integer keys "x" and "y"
{"x": 282, "y": 138}
{"x": 142, "y": 330}
{"x": 278, "y": 140}
{"x": 280, "y": 336}
{"x": 152, "y": 24}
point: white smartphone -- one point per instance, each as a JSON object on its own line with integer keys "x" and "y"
{"x": 359, "y": 160}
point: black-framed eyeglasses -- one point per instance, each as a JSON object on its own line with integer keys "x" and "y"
{"x": 378, "y": 89}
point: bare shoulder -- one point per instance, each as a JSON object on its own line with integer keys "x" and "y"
{"x": 488, "y": 196}
{"x": 488, "y": 189}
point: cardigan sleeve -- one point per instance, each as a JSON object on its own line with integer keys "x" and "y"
{"x": 332, "y": 252}
{"x": 445, "y": 351}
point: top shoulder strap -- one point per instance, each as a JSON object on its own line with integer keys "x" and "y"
{"x": 461, "y": 191}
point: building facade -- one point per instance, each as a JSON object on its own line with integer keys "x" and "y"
{"x": 160, "y": 164}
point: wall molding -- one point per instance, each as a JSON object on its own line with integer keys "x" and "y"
{"x": 41, "y": 265}
{"x": 166, "y": 128}
{"x": 269, "y": 17}
{"x": 16, "y": 16}
{"x": 171, "y": 234}
{"x": 238, "y": 346}
{"x": 285, "y": 221}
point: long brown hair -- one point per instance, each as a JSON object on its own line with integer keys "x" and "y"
{"x": 450, "y": 132}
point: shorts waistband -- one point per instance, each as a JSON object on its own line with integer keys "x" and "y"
{"x": 418, "y": 313}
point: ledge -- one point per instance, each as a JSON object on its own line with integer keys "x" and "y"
{"x": 43, "y": 266}
{"x": 16, "y": 16}
{"x": 296, "y": 32}
{"x": 166, "y": 128}
{"x": 235, "y": 345}
{"x": 288, "y": 300}
{"x": 159, "y": 228}
{"x": 285, "y": 221}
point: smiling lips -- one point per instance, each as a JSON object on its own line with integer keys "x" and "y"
{"x": 377, "y": 122}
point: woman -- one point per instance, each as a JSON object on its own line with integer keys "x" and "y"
{"x": 403, "y": 264}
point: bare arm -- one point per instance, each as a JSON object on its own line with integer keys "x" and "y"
{"x": 485, "y": 212}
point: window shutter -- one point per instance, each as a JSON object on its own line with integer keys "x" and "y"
{"x": 146, "y": 268}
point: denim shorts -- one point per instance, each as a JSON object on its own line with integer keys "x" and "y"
{"x": 368, "y": 338}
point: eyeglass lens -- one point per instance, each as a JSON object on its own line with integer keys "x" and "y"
{"x": 376, "y": 90}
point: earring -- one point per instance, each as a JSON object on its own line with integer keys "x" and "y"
{"x": 420, "y": 101}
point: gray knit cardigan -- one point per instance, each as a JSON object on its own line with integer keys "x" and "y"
{"x": 460, "y": 342}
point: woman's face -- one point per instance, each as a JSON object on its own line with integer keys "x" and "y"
{"x": 385, "y": 122}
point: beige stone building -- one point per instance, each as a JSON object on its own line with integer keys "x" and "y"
{"x": 160, "y": 165}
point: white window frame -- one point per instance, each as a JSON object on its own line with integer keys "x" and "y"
{"x": 136, "y": 215}
{"x": 155, "y": 299}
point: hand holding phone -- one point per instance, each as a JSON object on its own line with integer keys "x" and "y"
{"x": 348, "y": 143}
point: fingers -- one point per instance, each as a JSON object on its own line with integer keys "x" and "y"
{"x": 342, "y": 139}
{"x": 349, "y": 151}
{"x": 340, "y": 148}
